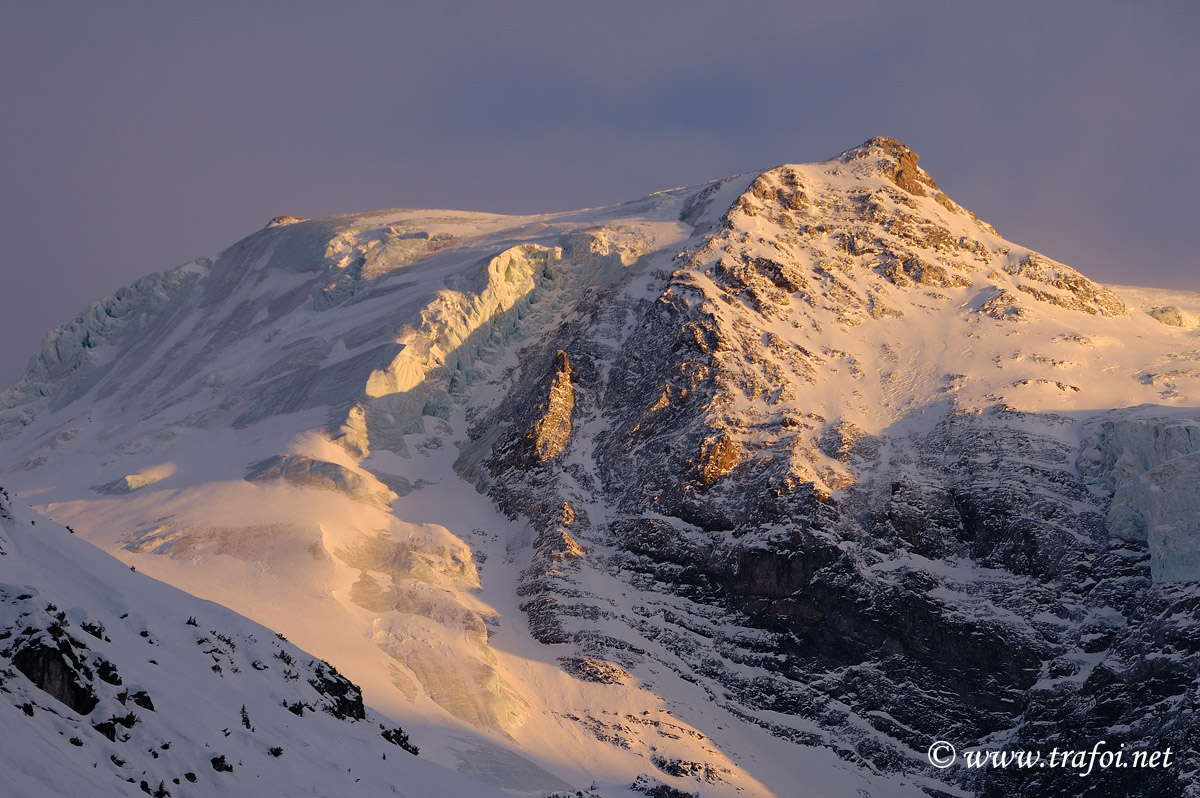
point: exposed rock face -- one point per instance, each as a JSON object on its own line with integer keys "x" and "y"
{"x": 56, "y": 670}
{"x": 1004, "y": 306}
{"x": 853, "y": 618}
{"x": 915, "y": 271}
{"x": 343, "y": 697}
{"x": 1064, "y": 286}
{"x": 718, "y": 458}
{"x": 590, "y": 669}
{"x": 899, "y": 165}
{"x": 552, "y": 430}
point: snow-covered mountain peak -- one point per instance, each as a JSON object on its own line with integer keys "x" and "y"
{"x": 674, "y": 481}
{"x": 873, "y": 209}
{"x": 890, "y": 158}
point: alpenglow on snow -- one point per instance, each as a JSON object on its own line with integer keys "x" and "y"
{"x": 757, "y": 487}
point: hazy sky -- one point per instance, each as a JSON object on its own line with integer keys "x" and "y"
{"x": 135, "y": 136}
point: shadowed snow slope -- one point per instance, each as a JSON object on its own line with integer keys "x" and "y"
{"x": 757, "y": 487}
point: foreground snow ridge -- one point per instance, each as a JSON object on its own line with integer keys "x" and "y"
{"x": 112, "y": 681}
{"x": 757, "y": 487}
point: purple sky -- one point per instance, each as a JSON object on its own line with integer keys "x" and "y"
{"x": 139, "y": 135}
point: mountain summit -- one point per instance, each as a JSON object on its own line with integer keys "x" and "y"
{"x": 769, "y": 481}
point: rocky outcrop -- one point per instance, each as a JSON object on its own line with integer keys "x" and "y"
{"x": 897, "y": 163}
{"x": 57, "y": 671}
{"x": 718, "y": 457}
{"x": 1063, "y": 286}
{"x": 1172, "y": 316}
{"x": 914, "y": 271}
{"x": 341, "y": 697}
{"x": 590, "y": 669}
{"x": 552, "y": 429}
{"x": 1004, "y": 306}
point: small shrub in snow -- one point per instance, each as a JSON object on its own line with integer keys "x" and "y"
{"x": 398, "y": 736}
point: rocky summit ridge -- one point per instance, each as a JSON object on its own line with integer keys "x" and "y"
{"x": 771, "y": 480}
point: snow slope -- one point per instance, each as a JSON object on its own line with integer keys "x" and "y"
{"x": 111, "y": 680}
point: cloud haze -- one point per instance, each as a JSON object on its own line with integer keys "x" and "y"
{"x": 137, "y": 136}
